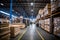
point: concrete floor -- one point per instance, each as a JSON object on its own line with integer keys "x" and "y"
{"x": 31, "y": 33}
{"x": 35, "y": 33}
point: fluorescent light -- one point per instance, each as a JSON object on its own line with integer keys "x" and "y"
{"x": 7, "y": 13}
{"x": 1, "y": 4}
{"x": 32, "y": 10}
{"x": 4, "y": 13}
{"x": 32, "y": 4}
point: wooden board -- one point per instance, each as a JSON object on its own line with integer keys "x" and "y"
{"x": 14, "y": 31}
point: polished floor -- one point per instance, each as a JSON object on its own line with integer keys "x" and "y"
{"x": 33, "y": 32}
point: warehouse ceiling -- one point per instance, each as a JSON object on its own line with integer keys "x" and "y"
{"x": 26, "y": 8}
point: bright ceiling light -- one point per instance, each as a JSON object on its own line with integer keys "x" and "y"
{"x": 1, "y": 4}
{"x": 4, "y": 13}
{"x": 7, "y": 13}
{"x": 31, "y": 10}
{"x": 32, "y": 4}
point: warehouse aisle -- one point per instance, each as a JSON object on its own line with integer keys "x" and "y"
{"x": 31, "y": 33}
{"x": 36, "y": 33}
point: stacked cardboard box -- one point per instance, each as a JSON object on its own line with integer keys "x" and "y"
{"x": 47, "y": 10}
{"x": 20, "y": 25}
{"x": 55, "y": 5}
{"x": 47, "y": 28}
{"x": 4, "y": 30}
{"x": 57, "y": 26}
{"x": 14, "y": 31}
{"x": 4, "y": 34}
{"x": 42, "y": 24}
{"x": 41, "y": 12}
{"x": 55, "y": 9}
{"x": 47, "y": 25}
{"x": 47, "y": 21}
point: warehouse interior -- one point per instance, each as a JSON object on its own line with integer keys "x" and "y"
{"x": 29, "y": 19}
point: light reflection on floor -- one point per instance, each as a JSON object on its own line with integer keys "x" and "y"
{"x": 32, "y": 31}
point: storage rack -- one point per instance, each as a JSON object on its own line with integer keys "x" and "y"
{"x": 54, "y": 14}
{"x": 4, "y": 29}
{"x": 55, "y": 10}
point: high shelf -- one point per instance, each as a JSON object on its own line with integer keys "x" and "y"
{"x": 55, "y": 10}
{"x": 49, "y": 19}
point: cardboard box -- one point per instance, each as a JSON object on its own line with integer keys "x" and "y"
{"x": 20, "y": 25}
{"x": 54, "y": 5}
{"x": 6, "y": 37}
{"x": 47, "y": 21}
{"x": 4, "y": 23}
{"x": 57, "y": 31}
{"x": 42, "y": 24}
{"x": 41, "y": 12}
{"x": 57, "y": 22}
{"x": 47, "y": 10}
{"x": 14, "y": 31}
{"x": 57, "y": 26}
{"x": 47, "y": 28}
{"x": 4, "y": 31}
{"x": 47, "y": 25}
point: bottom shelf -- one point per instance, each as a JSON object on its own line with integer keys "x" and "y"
{"x": 57, "y": 31}
{"x": 47, "y": 28}
{"x": 6, "y": 37}
{"x": 14, "y": 31}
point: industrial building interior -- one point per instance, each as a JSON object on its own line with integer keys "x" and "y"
{"x": 29, "y": 19}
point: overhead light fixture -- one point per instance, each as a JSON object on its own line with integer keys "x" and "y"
{"x": 7, "y": 14}
{"x": 1, "y": 4}
{"x": 31, "y": 4}
{"x": 31, "y": 10}
{"x": 4, "y": 13}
